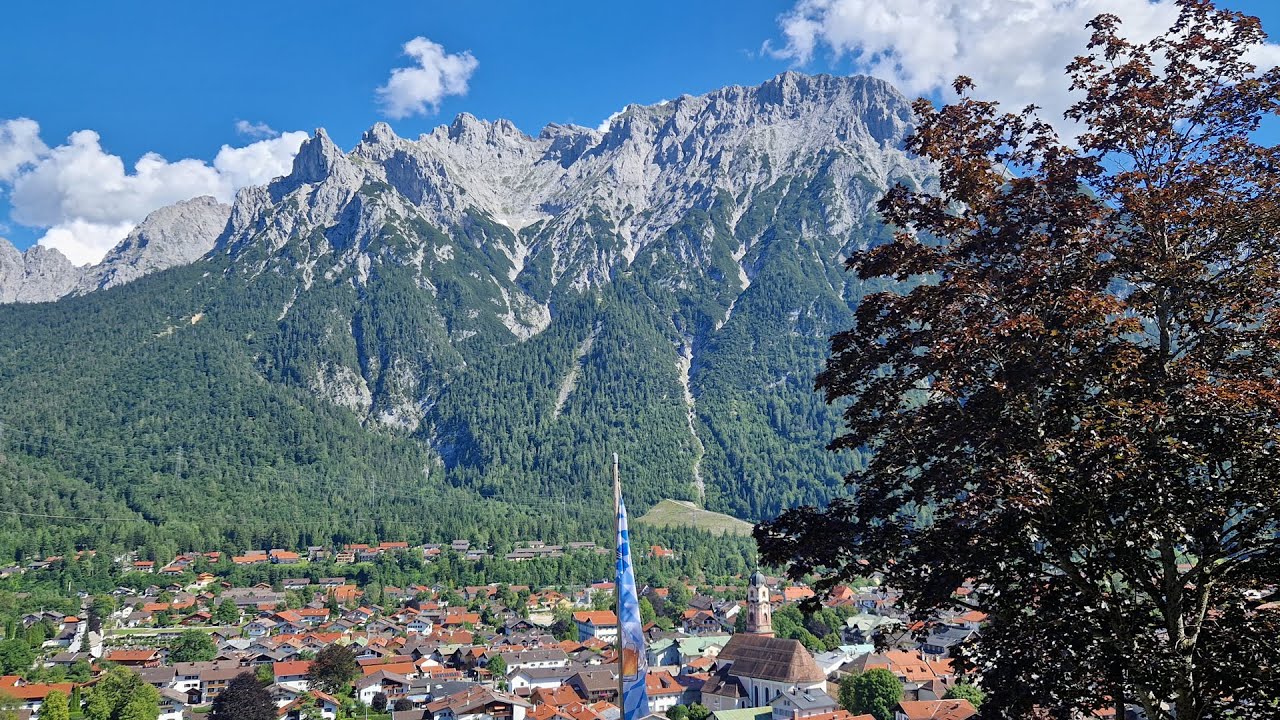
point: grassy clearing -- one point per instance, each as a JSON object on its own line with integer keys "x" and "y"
{"x": 683, "y": 513}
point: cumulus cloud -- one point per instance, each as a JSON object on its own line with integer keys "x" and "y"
{"x": 20, "y": 146}
{"x": 257, "y": 163}
{"x": 1015, "y": 51}
{"x": 87, "y": 201}
{"x": 255, "y": 130}
{"x": 418, "y": 90}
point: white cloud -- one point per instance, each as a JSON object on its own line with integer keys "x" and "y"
{"x": 87, "y": 201}
{"x": 255, "y": 130}
{"x": 257, "y": 163}
{"x": 1016, "y": 51}
{"x": 20, "y": 145}
{"x": 418, "y": 90}
{"x": 603, "y": 127}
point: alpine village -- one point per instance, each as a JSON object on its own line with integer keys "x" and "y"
{"x": 927, "y": 409}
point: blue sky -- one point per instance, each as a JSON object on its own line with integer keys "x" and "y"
{"x": 174, "y": 78}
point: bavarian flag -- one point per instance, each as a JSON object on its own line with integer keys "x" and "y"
{"x": 631, "y": 659}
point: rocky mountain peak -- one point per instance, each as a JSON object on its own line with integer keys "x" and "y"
{"x": 316, "y": 159}
{"x": 174, "y": 235}
{"x": 40, "y": 274}
{"x": 652, "y": 165}
{"x": 171, "y": 236}
{"x": 380, "y": 133}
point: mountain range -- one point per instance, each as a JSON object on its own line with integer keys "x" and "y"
{"x": 451, "y": 333}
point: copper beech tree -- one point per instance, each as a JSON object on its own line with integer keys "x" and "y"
{"x": 1077, "y": 407}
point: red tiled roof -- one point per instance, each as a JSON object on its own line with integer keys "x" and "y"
{"x": 661, "y": 683}
{"x": 32, "y": 691}
{"x": 937, "y": 709}
{"x": 596, "y": 617}
{"x": 562, "y": 695}
{"x": 118, "y": 656}
{"x": 291, "y": 667}
{"x": 399, "y": 668}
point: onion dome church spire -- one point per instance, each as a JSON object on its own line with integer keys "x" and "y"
{"x": 759, "y": 612}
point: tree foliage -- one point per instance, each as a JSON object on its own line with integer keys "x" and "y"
{"x": 498, "y": 667}
{"x": 967, "y": 691}
{"x": 873, "y": 692}
{"x": 55, "y": 707}
{"x": 243, "y": 699}
{"x": 193, "y": 646}
{"x": 1079, "y": 410}
{"x": 16, "y": 656}
{"x": 333, "y": 667}
{"x": 121, "y": 694}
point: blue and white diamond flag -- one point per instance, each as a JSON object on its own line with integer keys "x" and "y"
{"x": 635, "y": 699}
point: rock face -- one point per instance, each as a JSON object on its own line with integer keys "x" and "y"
{"x": 171, "y": 236}
{"x": 637, "y": 179}
{"x": 497, "y": 226}
{"x": 40, "y": 274}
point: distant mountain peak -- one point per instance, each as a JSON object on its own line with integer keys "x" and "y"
{"x": 316, "y": 158}
{"x": 173, "y": 235}
{"x": 653, "y": 164}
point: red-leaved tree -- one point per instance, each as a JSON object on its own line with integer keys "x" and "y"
{"x": 1078, "y": 407}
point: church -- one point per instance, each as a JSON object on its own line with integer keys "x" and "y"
{"x": 754, "y": 668}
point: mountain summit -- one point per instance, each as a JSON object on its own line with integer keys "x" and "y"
{"x": 508, "y": 304}
{"x": 173, "y": 235}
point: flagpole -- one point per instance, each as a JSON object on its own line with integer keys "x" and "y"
{"x": 617, "y": 589}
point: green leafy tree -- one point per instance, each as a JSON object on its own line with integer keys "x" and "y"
{"x": 678, "y": 599}
{"x": 562, "y": 625}
{"x": 603, "y": 601}
{"x": 9, "y": 707}
{"x": 831, "y": 641}
{"x": 309, "y": 709}
{"x": 227, "y": 613}
{"x": 122, "y": 695}
{"x": 967, "y": 691}
{"x": 679, "y": 712}
{"x": 16, "y": 656}
{"x": 55, "y": 707}
{"x": 143, "y": 706}
{"x": 265, "y": 674}
{"x": 379, "y": 702}
{"x": 874, "y": 692}
{"x": 333, "y": 668}
{"x": 498, "y": 667}
{"x": 698, "y": 711}
{"x": 647, "y": 614}
{"x": 243, "y": 699}
{"x": 193, "y": 646}
{"x": 37, "y": 634}
{"x": 80, "y": 671}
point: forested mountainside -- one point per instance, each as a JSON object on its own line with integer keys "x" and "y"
{"x": 447, "y": 337}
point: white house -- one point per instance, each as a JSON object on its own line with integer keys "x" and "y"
{"x": 598, "y": 624}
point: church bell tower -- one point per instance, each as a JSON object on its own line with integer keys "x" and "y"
{"x": 759, "y": 612}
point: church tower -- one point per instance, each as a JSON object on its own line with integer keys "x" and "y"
{"x": 759, "y": 612}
